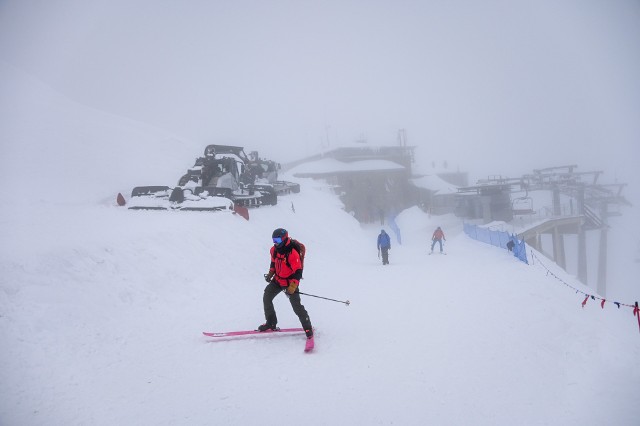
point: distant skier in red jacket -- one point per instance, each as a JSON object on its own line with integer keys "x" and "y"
{"x": 437, "y": 237}
{"x": 284, "y": 274}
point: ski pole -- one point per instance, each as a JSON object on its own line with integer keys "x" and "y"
{"x": 326, "y": 298}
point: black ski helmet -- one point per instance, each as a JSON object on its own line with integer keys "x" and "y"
{"x": 282, "y": 234}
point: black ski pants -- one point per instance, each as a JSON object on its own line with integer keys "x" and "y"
{"x": 270, "y": 292}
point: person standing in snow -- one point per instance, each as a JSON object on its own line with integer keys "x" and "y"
{"x": 284, "y": 274}
{"x": 384, "y": 245}
{"x": 437, "y": 237}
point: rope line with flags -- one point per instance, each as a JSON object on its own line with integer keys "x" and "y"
{"x": 636, "y": 310}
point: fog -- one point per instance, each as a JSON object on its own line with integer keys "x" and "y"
{"x": 102, "y": 307}
{"x": 493, "y": 88}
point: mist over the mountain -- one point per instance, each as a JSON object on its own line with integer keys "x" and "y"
{"x": 493, "y": 88}
{"x": 102, "y": 307}
{"x": 498, "y": 88}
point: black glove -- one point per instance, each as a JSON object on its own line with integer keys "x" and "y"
{"x": 269, "y": 276}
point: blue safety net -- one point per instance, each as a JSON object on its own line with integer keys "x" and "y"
{"x": 498, "y": 239}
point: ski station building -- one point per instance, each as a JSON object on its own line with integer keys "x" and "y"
{"x": 377, "y": 182}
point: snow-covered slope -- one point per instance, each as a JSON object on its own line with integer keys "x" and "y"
{"x": 101, "y": 310}
{"x": 60, "y": 151}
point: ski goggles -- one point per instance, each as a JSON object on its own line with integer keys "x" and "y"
{"x": 277, "y": 240}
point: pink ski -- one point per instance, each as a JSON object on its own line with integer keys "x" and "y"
{"x": 250, "y": 332}
{"x": 308, "y": 347}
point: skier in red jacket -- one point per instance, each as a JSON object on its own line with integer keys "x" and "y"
{"x": 284, "y": 274}
{"x": 437, "y": 237}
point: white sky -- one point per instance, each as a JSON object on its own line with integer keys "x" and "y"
{"x": 495, "y": 87}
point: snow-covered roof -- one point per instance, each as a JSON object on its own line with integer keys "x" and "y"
{"x": 435, "y": 183}
{"x": 433, "y": 167}
{"x": 333, "y": 166}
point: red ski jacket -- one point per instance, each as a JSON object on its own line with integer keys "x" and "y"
{"x": 285, "y": 262}
{"x": 438, "y": 235}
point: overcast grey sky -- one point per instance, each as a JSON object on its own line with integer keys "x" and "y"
{"x": 494, "y": 87}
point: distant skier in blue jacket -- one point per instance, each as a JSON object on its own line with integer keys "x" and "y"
{"x": 384, "y": 245}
